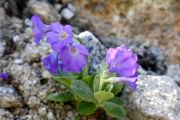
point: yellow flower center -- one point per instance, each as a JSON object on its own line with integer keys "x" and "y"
{"x": 63, "y": 35}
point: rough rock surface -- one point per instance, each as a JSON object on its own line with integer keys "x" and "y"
{"x": 173, "y": 71}
{"x": 4, "y": 114}
{"x": 156, "y": 98}
{"x": 69, "y": 12}
{"x": 97, "y": 50}
{"x": 2, "y": 45}
{"x": 153, "y": 21}
{"x": 45, "y": 10}
{"x": 9, "y": 98}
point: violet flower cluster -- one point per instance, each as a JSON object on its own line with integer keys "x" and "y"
{"x": 123, "y": 61}
{"x": 67, "y": 56}
{"x": 70, "y": 57}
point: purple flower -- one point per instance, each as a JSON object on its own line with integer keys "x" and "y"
{"x": 124, "y": 62}
{"x": 39, "y": 28}
{"x": 59, "y": 36}
{"x": 130, "y": 81}
{"x": 4, "y": 76}
{"x": 73, "y": 58}
{"x": 51, "y": 63}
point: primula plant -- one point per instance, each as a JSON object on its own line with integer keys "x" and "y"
{"x": 68, "y": 64}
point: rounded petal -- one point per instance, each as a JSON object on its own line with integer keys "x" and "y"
{"x": 37, "y": 37}
{"x": 52, "y": 37}
{"x": 82, "y": 49}
{"x": 68, "y": 29}
{"x": 122, "y": 56}
{"x": 128, "y": 72}
{"x": 122, "y": 61}
{"x": 51, "y": 63}
{"x": 72, "y": 62}
{"x": 56, "y": 27}
{"x": 111, "y": 55}
{"x": 36, "y": 21}
{"x": 76, "y": 64}
{"x": 57, "y": 45}
{"x": 128, "y": 62}
{"x": 39, "y": 28}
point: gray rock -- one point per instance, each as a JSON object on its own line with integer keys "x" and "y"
{"x": 42, "y": 111}
{"x": 50, "y": 116}
{"x": 174, "y": 72}
{"x": 28, "y": 22}
{"x": 151, "y": 58}
{"x": 98, "y": 51}
{"x": 33, "y": 53}
{"x": 72, "y": 8}
{"x": 2, "y": 2}
{"x": 9, "y": 98}
{"x": 45, "y": 10}
{"x": 67, "y": 14}
{"x": 33, "y": 102}
{"x": 58, "y": 7}
{"x": 2, "y": 43}
{"x": 2, "y": 48}
{"x": 5, "y": 115}
{"x": 2, "y": 14}
{"x": 156, "y": 98}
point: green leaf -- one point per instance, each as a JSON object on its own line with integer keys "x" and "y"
{"x": 108, "y": 86}
{"x": 102, "y": 96}
{"x": 117, "y": 100}
{"x": 96, "y": 83}
{"x": 60, "y": 97}
{"x": 85, "y": 70}
{"x": 83, "y": 91}
{"x": 88, "y": 79}
{"x": 86, "y": 108}
{"x": 117, "y": 88}
{"x": 114, "y": 110}
{"x": 65, "y": 80}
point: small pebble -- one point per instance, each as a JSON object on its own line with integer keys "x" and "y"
{"x": 42, "y": 111}
{"x": 58, "y": 6}
{"x": 16, "y": 38}
{"x": 50, "y": 116}
{"x": 67, "y": 14}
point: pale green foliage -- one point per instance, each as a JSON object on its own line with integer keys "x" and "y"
{"x": 91, "y": 92}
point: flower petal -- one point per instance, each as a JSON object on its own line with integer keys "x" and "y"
{"x": 56, "y": 27}
{"x": 130, "y": 81}
{"x": 39, "y": 28}
{"x": 51, "y": 63}
{"x": 82, "y": 49}
{"x": 111, "y": 54}
{"x": 4, "y": 76}
{"x": 68, "y": 29}
{"x": 52, "y": 37}
{"x": 123, "y": 61}
{"x": 72, "y": 62}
